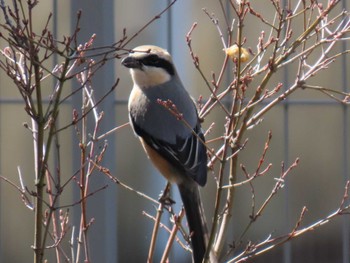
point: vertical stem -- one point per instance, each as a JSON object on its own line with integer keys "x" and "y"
{"x": 219, "y": 192}
{"x": 40, "y": 167}
{"x": 233, "y": 124}
{"x": 157, "y": 222}
{"x": 38, "y": 252}
{"x": 40, "y": 155}
{"x": 52, "y": 216}
{"x": 173, "y": 233}
{"x": 83, "y": 184}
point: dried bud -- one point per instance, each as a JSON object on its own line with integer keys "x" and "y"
{"x": 233, "y": 51}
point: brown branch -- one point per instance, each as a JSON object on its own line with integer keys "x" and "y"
{"x": 157, "y": 222}
{"x": 177, "y": 223}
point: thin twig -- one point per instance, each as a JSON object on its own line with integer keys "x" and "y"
{"x": 157, "y": 222}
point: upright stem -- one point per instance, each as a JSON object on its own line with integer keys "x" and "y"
{"x": 233, "y": 124}
{"x": 83, "y": 184}
{"x": 41, "y": 156}
{"x": 157, "y": 222}
{"x": 40, "y": 167}
{"x": 50, "y": 137}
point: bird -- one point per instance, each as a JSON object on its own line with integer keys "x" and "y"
{"x": 170, "y": 133}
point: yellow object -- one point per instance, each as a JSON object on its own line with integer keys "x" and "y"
{"x": 233, "y": 51}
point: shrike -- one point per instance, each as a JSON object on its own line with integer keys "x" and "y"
{"x": 176, "y": 149}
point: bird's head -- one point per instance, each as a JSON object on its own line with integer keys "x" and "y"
{"x": 149, "y": 66}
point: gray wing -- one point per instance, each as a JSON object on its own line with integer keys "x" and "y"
{"x": 188, "y": 155}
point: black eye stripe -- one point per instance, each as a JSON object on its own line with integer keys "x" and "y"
{"x": 150, "y": 60}
{"x": 156, "y": 61}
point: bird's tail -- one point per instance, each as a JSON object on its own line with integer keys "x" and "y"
{"x": 196, "y": 219}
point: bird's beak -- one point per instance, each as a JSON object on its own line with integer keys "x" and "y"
{"x": 131, "y": 62}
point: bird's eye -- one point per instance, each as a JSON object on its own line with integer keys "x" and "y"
{"x": 151, "y": 60}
